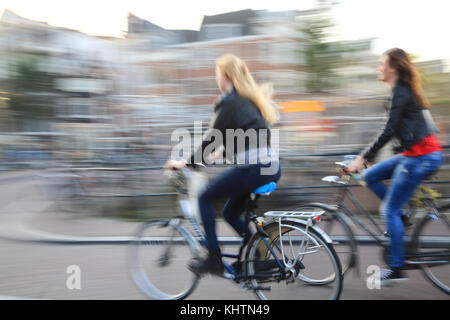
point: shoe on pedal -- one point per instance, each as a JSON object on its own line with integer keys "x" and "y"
{"x": 390, "y": 276}
{"x": 211, "y": 264}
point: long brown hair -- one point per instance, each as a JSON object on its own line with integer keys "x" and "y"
{"x": 408, "y": 75}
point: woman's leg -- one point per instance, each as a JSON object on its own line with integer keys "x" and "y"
{"x": 224, "y": 186}
{"x": 407, "y": 176}
{"x": 232, "y": 212}
{"x": 235, "y": 183}
{"x": 383, "y": 170}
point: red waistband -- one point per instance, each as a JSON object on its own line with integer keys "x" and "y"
{"x": 427, "y": 145}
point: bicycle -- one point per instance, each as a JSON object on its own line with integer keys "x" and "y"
{"x": 79, "y": 189}
{"x": 427, "y": 241}
{"x": 286, "y": 248}
{"x": 67, "y": 190}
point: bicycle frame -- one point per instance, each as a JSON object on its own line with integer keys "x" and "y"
{"x": 200, "y": 238}
{"x": 193, "y": 220}
{"x": 347, "y": 193}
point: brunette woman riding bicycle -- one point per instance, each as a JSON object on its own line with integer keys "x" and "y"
{"x": 411, "y": 123}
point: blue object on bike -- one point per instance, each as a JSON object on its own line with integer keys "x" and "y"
{"x": 433, "y": 216}
{"x": 266, "y": 188}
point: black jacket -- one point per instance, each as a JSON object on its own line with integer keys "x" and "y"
{"x": 407, "y": 122}
{"x": 234, "y": 112}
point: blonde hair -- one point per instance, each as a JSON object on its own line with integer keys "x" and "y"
{"x": 261, "y": 95}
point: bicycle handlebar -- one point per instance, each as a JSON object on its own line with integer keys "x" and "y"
{"x": 179, "y": 177}
{"x": 343, "y": 166}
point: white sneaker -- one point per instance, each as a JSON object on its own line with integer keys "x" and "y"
{"x": 390, "y": 276}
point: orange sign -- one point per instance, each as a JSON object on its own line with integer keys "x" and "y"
{"x": 301, "y": 106}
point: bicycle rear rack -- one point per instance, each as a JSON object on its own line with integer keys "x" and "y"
{"x": 303, "y": 215}
{"x": 304, "y": 248}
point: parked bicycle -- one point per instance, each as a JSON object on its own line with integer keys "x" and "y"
{"x": 286, "y": 258}
{"x": 427, "y": 229}
{"x": 78, "y": 189}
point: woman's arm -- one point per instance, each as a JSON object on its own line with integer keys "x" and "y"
{"x": 400, "y": 100}
{"x": 224, "y": 120}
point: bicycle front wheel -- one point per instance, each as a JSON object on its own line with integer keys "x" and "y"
{"x": 159, "y": 256}
{"x": 302, "y": 254}
{"x": 431, "y": 243}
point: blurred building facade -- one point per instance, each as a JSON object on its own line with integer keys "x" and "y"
{"x": 273, "y": 46}
{"x": 270, "y": 42}
{"x": 87, "y": 73}
{"x": 110, "y": 91}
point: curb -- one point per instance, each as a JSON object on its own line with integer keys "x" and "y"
{"x": 31, "y": 235}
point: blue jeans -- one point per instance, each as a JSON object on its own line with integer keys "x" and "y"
{"x": 236, "y": 184}
{"x": 406, "y": 174}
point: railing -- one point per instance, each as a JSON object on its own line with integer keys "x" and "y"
{"x": 280, "y": 188}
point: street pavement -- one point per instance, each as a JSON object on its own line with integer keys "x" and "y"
{"x": 31, "y": 269}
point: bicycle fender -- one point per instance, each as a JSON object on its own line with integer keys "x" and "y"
{"x": 335, "y": 209}
{"x": 325, "y": 236}
{"x": 324, "y": 206}
{"x": 345, "y": 216}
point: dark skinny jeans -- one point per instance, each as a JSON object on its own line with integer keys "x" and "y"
{"x": 235, "y": 184}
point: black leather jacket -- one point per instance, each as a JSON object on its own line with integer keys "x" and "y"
{"x": 407, "y": 122}
{"x": 234, "y": 112}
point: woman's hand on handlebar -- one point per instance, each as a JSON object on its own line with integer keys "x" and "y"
{"x": 175, "y": 164}
{"x": 355, "y": 165}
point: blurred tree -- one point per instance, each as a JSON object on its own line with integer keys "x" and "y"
{"x": 31, "y": 92}
{"x": 320, "y": 56}
{"x": 436, "y": 88}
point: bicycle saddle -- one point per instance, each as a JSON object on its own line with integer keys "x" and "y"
{"x": 266, "y": 189}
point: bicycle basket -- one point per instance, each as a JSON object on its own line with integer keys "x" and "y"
{"x": 197, "y": 183}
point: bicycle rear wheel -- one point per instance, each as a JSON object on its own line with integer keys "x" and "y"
{"x": 316, "y": 260}
{"x": 431, "y": 243}
{"x": 334, "y": 224}
{"x": 161, "y": 249}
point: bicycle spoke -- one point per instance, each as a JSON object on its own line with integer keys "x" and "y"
{"x": 310, "y": 265}
{"x": 434, "y": 256}
{"x": 159, "y": 252}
